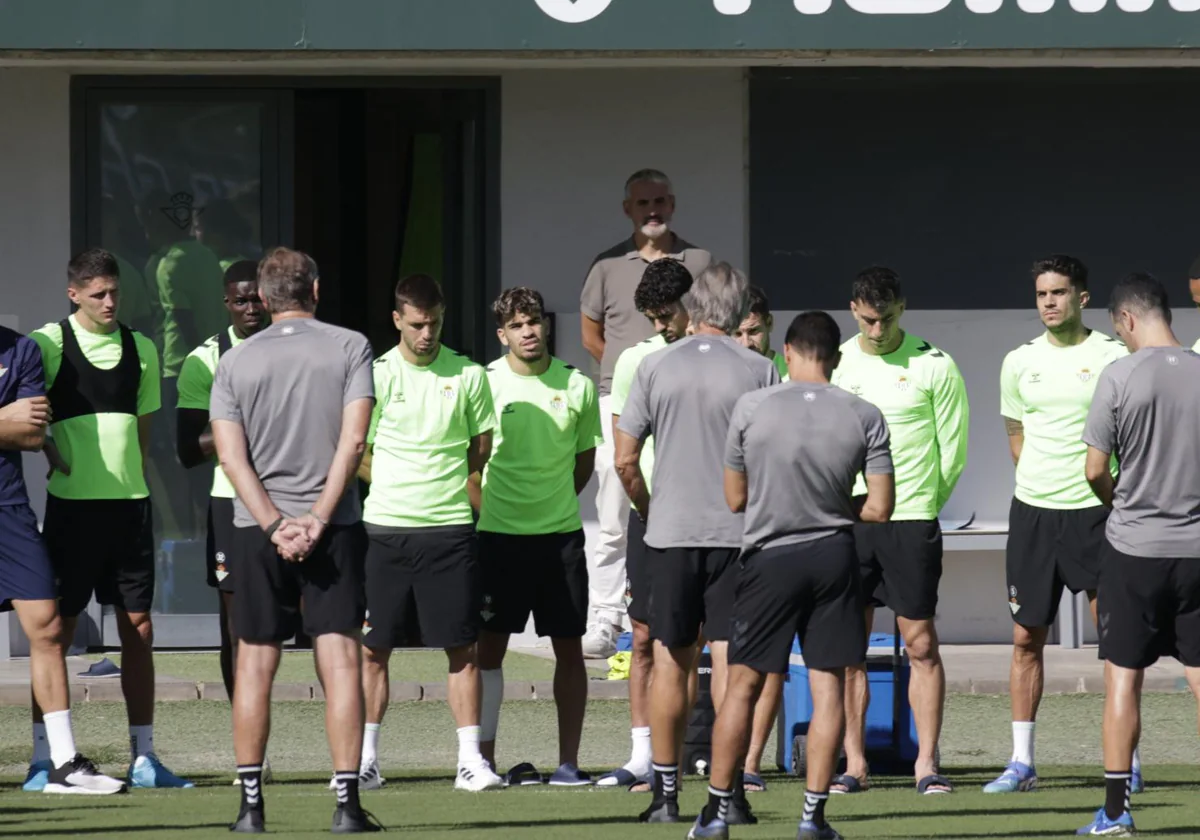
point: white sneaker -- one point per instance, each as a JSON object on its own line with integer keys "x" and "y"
{"x": 600, "y": 641}
{"x": 369, "y": 777}
{"x": 79, "y": 775}
{"x": 477, "y": 778}
{"x": 266, "y": 776}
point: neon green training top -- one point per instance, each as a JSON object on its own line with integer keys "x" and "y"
{"x": 195, "y": 387}
{"x": 622, "y": 381}
{"x": 1048, "y": 389}
{"x": 421, "y": 427}
{"x": 187, "y": 276}
{"x": 543, "y": 423}
{"x": 780, "y": 365}
{"x": 924, "y": 400}
{"x": 103, "y": 450}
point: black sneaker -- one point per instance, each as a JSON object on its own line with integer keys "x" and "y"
{"x": 79, "y": 775}
{"x": 739, "y": 813}
{"x": 661, "y": 811}
{"x": 346, "y": 821}
{"x": 249, "y": 821}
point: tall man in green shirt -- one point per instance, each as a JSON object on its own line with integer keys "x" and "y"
{"x": 103, "y": 383}
{"x": 431, "y": 428}
{"x": 531, "y": 540}
{"x": 659, "y": 297}
{"x": 194, "y": 441}
{"x": 755, "y": 332}
{"x": 1056, "y": 523}
{"x": 924, "y": 400}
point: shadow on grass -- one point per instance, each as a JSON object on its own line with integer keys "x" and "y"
{"x": 114, "y": 829}
{"x": 625, "y": 819}
{"x": 990, "y": 812}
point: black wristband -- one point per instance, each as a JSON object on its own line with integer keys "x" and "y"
{"x": 273, "y": 527}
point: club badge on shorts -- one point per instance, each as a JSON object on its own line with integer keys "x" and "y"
{"x": 1012, "y": 600}
{"x": 222, "y": 572}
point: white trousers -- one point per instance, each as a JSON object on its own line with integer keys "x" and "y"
{"x": 606, "y": 563}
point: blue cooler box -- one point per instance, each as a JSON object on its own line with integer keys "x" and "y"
{"x": 884, "y": 714}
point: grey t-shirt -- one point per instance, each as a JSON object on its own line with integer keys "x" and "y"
{"x": 1146, "y": 409}
{"x": 287, "y": 387}
{"x": 801, "y": 445}
{"x": 684, "y": 395}
{"x": 607, "y": 297}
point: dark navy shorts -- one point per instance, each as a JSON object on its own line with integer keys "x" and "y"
{"x": 25, "y": 570}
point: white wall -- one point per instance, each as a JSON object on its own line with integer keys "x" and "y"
{"x": 35, "y": 211}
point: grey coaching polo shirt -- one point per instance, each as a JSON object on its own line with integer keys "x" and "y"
{"x": 684, "y": 395}
{"x": 1146, "y": 409}
{"x": 801, "y": 446}
{"x": 608, "y": 297}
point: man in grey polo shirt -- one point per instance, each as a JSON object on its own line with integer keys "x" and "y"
{"x": 799, "y": 568}
{"x": 289, "y": 420}
{"x": 1146, "y": 408}
{"x": 692, "y": 537}
{"x": 611, "y": 324}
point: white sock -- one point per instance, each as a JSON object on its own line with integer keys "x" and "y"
{"x": 370, "y": 750}
{"x": 60, "y": 736}
{"x": 489, "y": 706}
{"x": 468, "y": 747}
{"x": 1023, "y": 741}
{"x": 141, "y": 741}
{"x": 639, "y": 759}
{"x": 1137, "y": 760}
{"x": 41, "y": 747}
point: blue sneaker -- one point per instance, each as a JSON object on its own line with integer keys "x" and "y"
{"x": 809, "y": 830}
{"x": 36, "y": 778}
{"x": 568, "y": 775}
{"x": 148, "y": 772}
{"x": 1137, "y": 784}
{"x": 715, "y": 830}
{"x": 1102, "y": 826}
{"x": 1016, "y": 778}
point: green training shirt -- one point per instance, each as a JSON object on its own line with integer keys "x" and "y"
{"x": 543, "y": 422}
{"x": 924, "y": 400}
{"x": 102, "y": 450}
{"x": 1049, "y": 390}
{"x": 187, "y": 276}
{"x": 780, "y": 365}
{"x": 422, "y": 424}
{"x": 622, "y": 381}
{"x": 195, "y": 388}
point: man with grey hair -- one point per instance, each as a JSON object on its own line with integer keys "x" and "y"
{"x": 693, "y": 539}
{"x": 611, "y": 324}
{"x": 289, "y": 420}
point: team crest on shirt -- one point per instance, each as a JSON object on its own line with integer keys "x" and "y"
{"x": 705, "y": 347}
{"x": 558, "y": 403}
{"x": 222, "y": 572}
{"x": 449, "y": 392}
{"x": 1035, "y": 378}
{"x": 902, "y": 383}
{"x": 1085, "y": 376}
{"x": 809, "y": 396}
{"x": 1012, "y": 600}
{"x": 1172, "y": 360}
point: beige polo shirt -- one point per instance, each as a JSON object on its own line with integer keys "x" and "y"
{"x": 608, "y": 297}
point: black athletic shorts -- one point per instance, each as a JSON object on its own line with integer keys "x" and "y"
{"x": 691, "y": 588}
{"x": 900, "y": 564}
{"x": 430, "y": 572}
{"x": 219, "y": 545}
{"x": 543, "y": 574}
{"x": 270, "y": 590}
{"x": 1048, "y": 550}
{"x": 105, "y": 546}
{"x": 1148, "y": 607}
{"x": 637, "y": 570}
{"x": 811, "y": 589}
